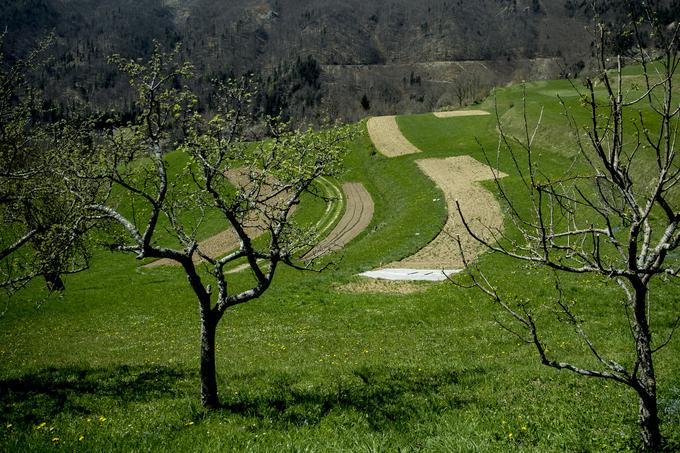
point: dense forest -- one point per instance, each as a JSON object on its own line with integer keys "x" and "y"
{"x": 313, "y": 58}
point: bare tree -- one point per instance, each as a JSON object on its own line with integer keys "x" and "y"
{"x": 142, "y": 203}
{"x": 614, "y": 213}
{"x": 470, "y": 85}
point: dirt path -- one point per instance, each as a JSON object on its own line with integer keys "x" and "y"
{"x": 214, "y": 246}
{"x": 387, "y": 138}
{"x": 358, "y": 215}
{"x": 453, "y": 113}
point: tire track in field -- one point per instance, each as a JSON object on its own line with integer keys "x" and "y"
{"x": 358, "y": 215}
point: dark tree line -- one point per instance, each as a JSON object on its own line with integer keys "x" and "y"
{"x": 272, "y": 44}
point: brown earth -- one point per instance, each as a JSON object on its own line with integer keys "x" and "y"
{"x": 357, "y": 216}
{"x": 454, "y": 113}
{"x": 387, "y": 138}
{"x": 366, "y": 285}
{"x": 458, "y": 177}
{"x": 213, "y": 247}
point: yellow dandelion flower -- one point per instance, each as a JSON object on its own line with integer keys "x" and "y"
{"x": 81, "y": 438}
{"x": 55, "y": 439}
{"x": 509, "y": 435}
{"x": 102, "y": 419}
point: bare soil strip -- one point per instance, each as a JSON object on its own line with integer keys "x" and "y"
{"x": 358, "y": 215}
{"x": 387, "y": 138}
{"x": 453, "y": 113}
{"x": 365, "y": 285}
{"x": 458, "y": 177}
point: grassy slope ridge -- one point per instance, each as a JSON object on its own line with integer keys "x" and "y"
{"x": 115, "y": 360}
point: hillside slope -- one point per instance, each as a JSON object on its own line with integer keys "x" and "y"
{"x": 376, "y": 56}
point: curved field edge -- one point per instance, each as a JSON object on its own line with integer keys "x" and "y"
{"x": 114, "y": 360}
{"x": 357, "y": 216}
{"x": 226, "y": 240}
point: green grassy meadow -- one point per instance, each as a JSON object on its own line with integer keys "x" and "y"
{"x": 112, "y": 364}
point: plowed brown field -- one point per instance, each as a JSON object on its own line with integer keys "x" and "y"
{"x": 225, "y": 241}
{"x": 453, "y": 113}
{"x": 387, "y": 138}
{"x": 357, "y": 216}
{"x": 458, "y": 177}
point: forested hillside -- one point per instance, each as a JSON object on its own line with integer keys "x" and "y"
{"x": 315, "y": 57}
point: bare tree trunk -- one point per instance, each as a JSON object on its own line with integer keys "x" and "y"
{"x": 54, "y": 282}
{"x": 209, "y": 397}
{"x": 646, "y": 380}
{"x": 460, "y": 94}
{"x": 209, "y": 320}
{"x": 649, "y": 420}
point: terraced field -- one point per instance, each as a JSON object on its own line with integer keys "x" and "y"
{"x": 331, "y": 361}
{"x": 358, "y": 215}
{"x": 458, "y": 179}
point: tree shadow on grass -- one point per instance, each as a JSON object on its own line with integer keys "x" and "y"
{"x": 384, "y": 396}
{"x": 78, "y": 391}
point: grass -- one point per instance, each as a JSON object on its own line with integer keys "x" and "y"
{"x": 112, "y": 364}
